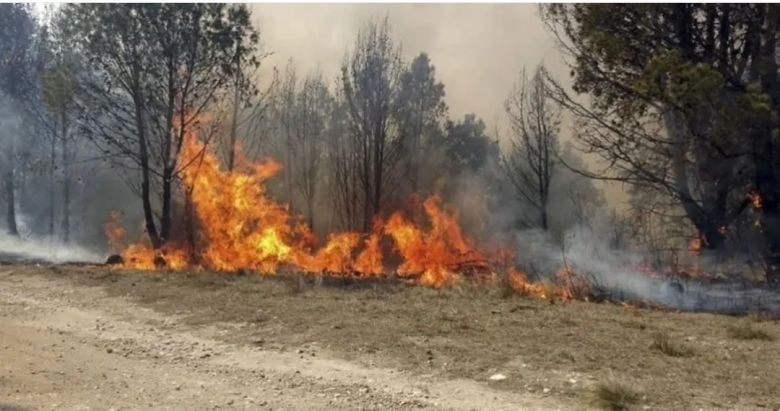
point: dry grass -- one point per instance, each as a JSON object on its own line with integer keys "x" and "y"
{"x": 614, "y": 396}
{"x": 746, "y": 331}
{"x": 389, "y": 323}
{"x": 663, "y": 343}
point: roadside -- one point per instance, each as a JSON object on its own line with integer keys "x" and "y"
{"x": 71, "y": 346}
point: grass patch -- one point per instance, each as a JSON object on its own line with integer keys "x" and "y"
{"x": 614, "y": 396}
{"x": 746, "y": 331}
{"x": 663, "y": 343}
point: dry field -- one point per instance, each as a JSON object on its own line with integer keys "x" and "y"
{"x": 78, "y": 337}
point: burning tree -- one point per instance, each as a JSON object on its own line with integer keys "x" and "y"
{"x": 684, "y": 98}
{"x": 159, "y": 68}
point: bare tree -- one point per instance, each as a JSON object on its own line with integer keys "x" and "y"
{"x": 533, "y": 156}
{"x": 343, "y": 168}
{"x": 370, "y": 78}
{"x": 247, "y": 106}
{"x": 302, "y": 115}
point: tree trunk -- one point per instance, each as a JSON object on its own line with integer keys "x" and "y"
{"x": 189, "y": 227}
{"x": 766, "y": 180}
{"x": 52, "y": 183}
{"x": 65, "y": 183}
{"x": 151, "y": 229}
{"x": 11, "y": 203}
{"x": 234, "y": 130}
{"x": 165, "y": 219}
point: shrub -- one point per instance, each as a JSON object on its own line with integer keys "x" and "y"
{"x": 663, "y": 343}
{"x": 614, "y": 396}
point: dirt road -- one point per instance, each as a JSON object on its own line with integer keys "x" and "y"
{"x": 70, "y": 346}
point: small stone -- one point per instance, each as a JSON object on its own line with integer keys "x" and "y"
{"x": 497, "y": 377}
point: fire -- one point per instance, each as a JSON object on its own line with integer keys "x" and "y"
{"x": 115, "y": 233}
{"x": 437, "y": 253}
{"x": 240, "y": 227}
{"x": 755, "y": 198}
{"x": 694, "y": 245}
{"x": 369, "y": 261}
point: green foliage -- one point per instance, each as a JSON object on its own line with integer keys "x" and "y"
{"x": 670, "y": 78}
{"x": 468, "y": 147}
{"x": 60, "y": 84}
{"x": 17, "y": 50}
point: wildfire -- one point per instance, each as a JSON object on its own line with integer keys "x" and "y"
{"x": 240, "y": 227}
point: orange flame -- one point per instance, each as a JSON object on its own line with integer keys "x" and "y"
{"x": 240, "y": 227}
{"x": 115, "y": 233}
{"x": 694, "y": 245}
{"x": 755, "y": 198}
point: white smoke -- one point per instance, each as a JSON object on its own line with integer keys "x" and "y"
{"x": 44, "y": 249}
{"x": 615, "y": 275}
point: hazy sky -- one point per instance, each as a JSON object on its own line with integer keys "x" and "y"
{"x": 478, "y": 49}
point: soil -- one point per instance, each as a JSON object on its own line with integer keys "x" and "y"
{"x": 90, "y": 337}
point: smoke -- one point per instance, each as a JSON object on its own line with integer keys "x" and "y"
{"x": 43, "y": 249}
{"x": 614, "y": 274}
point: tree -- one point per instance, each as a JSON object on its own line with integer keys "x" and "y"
{"x": 533, "y": 156}
{"x": 161, "y": 68}
{"x": 421, "y": 114}
{"x": 470, "y": 173}
{"x": 467, "y": 146}
{"x": 60, "y": 111}
{"x": 244, "y": 66}
{"x": 685, "y": 99}
{"x": 17, "y": 70}
{"x": 302, "y": 114}
{"x": 370, "y": 84}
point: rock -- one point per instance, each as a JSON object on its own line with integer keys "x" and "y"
{"x": 497, "y": 377}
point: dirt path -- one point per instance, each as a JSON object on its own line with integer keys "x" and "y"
{"x": 69, "y": 347}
